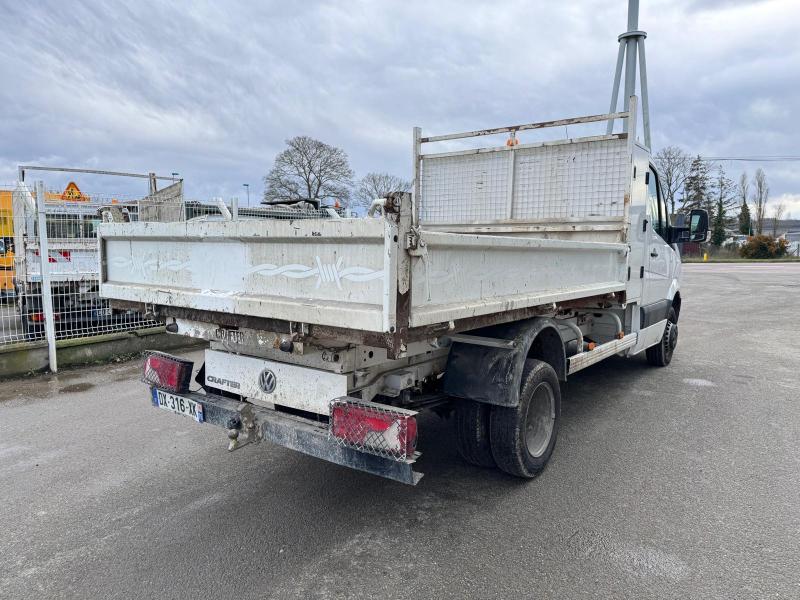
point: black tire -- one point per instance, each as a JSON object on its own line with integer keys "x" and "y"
{"x": 472, "y": 433}
{"x": 522, "y": 446}
{"x": 660, "y": 355}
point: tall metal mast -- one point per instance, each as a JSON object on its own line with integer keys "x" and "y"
{"x": 631, "y": 44}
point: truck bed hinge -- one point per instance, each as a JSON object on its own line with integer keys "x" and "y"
{"x": 412, "y": 240}
{"x": 298, "y": 330}
{"x": 416, "y": 246}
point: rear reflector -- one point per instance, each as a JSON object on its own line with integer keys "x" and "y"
{"x": 374, "y": 428}
{"x": 167, "y": 372}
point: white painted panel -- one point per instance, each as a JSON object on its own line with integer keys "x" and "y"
{"x": 69, "y": 261}
{"x": 649, "y": 336}
{"x": 468, "y": 275}
{"x": 322, "y": 272}
{"x": 302, "y": 388}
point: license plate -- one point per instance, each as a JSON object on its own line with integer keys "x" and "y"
{"x": 178, "y": 404}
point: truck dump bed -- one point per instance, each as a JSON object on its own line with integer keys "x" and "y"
{"x": 490, "y": 231}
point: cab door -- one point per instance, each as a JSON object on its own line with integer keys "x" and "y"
{"x": 660, "y": 258}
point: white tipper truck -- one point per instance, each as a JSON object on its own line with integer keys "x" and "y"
{"x": 507, "y": 269}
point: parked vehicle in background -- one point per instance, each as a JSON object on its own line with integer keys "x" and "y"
{"x": 72, "y": 220}
{"x": 6, "y": 247}
{"x": 513, "y": 267}
{"x": 735, "y": 240}
{"x": 793, "y": 240}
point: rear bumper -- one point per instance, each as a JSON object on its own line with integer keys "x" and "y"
{"x": 296, "y": 433}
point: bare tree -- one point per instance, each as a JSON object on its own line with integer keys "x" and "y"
{"x": 378, "y": 185}
{"x": 760, "y": 197}
{"x": 309, "y": 170}
{"x": 673, "y": 166}
{"x": 743, "y": 188}
{"x": 777, "y": 215}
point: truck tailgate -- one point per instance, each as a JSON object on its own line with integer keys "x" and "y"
{"x": 335, "y": 272}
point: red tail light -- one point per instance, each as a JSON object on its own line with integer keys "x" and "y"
{"x": 383, "y": 430}
{"x": 167, "y": 372}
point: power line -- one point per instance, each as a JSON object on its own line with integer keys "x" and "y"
{"x": 787, "y": 158}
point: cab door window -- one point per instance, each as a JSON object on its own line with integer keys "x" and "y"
{"x": 656, "y": 213}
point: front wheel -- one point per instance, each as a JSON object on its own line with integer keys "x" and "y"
{"x": 523, "y": 436}
{"x": 660, "y": 355}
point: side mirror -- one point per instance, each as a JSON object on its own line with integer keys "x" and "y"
{"x": 690, "y": 228}
{"x": 698, "y": 225}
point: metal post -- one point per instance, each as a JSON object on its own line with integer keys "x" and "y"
{"x": 643, "y": 85}
{"x": 633, "y": 15}
{"x": 417, "y": 183}
{"x": 615, "y": 89}
{"x": 512, "y": 160}
{"x": 47, "y": 294}
{"x": 632, "y": 110}
{"x": 630, "y": 53}
{"x": 631, "y": 46}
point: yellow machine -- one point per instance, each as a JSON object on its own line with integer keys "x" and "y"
{"x": 6, "y": 246}
{"x": 70, "y": 194}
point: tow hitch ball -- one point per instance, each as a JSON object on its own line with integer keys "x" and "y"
{"x": 234, "y": 430}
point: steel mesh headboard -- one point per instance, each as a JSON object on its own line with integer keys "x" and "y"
{"x": 533, "y": 183}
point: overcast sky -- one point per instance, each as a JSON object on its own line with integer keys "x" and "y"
{"x": 212, "y": 91}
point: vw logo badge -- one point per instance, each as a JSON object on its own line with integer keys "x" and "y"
{"x": 267, "y": 381}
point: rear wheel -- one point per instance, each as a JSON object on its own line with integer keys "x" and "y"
{"x": 660, "y": 355}
{"x": 523, "y": 436}
{"x": 472, "y": 433}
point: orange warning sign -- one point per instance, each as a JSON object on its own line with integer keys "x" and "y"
{"x": 73, "y": 193}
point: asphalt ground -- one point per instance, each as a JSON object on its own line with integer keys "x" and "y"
{"x": 681, "y": 482}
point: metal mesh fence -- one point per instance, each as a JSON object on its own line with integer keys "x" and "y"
{"x": 72, "y": 264}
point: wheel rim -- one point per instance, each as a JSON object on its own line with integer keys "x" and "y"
{"x": 540, "y": 420}
{"x": 670, "y": 339}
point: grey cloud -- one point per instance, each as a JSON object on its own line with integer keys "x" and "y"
{"x": 211, "y": 90}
